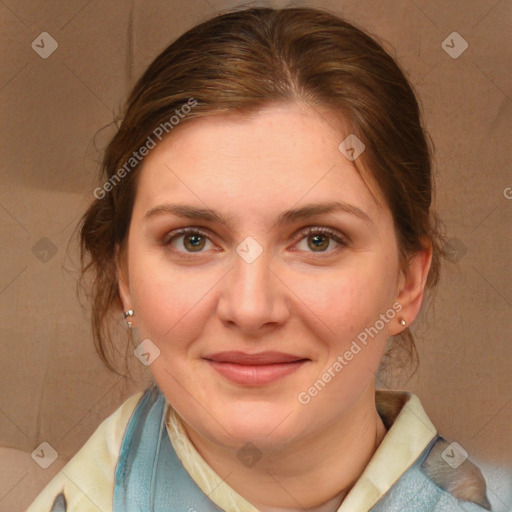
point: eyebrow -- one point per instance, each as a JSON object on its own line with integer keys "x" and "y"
{"x": 288, "y": 216}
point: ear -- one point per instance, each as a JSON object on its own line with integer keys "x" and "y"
{"x": 122, "y": 278}
{"x": 412, "y": 288}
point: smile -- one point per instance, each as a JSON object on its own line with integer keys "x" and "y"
{"x": 254, "y": 369}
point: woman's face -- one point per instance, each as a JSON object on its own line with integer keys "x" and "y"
{"x": 257, "y": 281}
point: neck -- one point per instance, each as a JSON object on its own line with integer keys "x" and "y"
{"x": 302, "y": 476}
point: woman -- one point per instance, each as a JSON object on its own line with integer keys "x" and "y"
{"x": 264, "y": 225}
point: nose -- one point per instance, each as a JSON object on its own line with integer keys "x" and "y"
{"x": 254, "y": 297}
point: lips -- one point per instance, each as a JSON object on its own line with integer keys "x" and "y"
{"x": 254, "y": 369}
{"x": 261, "y": 358}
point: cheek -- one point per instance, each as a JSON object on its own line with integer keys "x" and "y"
{"x": 169, "y": 301}
{"x": 348, "y": 300}
{"x": 350, "y": 355}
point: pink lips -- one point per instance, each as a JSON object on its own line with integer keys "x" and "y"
{"x": 254, "y": 369}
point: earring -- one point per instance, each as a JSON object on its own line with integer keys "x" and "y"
{"x": 127, "y": 314}
{"x": 403, "y": 322}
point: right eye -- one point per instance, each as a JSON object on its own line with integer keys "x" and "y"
{"x": 193, "y": 240}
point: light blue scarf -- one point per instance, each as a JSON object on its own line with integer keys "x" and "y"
{"x": 150, "y": 477}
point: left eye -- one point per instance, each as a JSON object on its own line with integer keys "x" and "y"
{"x": 194, "y": 239}
{"x": 319, "y": 238}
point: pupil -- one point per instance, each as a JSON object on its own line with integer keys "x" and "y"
{"x": 194, "y": 240}
{"x": 318, "y": 238}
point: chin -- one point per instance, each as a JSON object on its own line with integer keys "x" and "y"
{"x": 266, "y": 424}
{"x": 256, "y": 438}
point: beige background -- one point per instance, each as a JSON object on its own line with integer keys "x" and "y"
{"x": 54, "y": 388}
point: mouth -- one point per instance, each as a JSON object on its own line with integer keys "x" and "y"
{"x": 255, "y": 369}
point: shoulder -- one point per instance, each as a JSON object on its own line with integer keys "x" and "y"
{"x": 448, "y": 466}
{"x": 443, "y": 473}
{"x": 86, "y": 481}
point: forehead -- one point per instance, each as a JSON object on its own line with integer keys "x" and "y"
{"x": 283, "y": 154}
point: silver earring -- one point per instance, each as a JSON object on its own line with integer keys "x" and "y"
{"x": 403, "y": 322}
{"x": 127, "y": 314}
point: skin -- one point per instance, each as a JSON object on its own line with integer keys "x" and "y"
{"x": 295, "y": 298}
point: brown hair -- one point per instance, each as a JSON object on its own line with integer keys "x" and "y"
{"x": 241, "y": 61}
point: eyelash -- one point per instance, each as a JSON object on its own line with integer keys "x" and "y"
{"x": 330, "y": 233}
